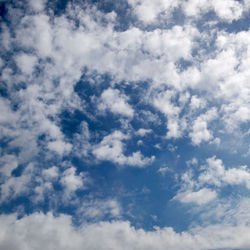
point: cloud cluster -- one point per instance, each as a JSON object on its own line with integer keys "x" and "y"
{"x": 111, "y": 148}
{"x": 205, "y": 187}
{"x": 79, "y": 88}
{"x": 39, "y": 231}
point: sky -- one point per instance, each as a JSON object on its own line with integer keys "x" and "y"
{"x": 124, "y": 124}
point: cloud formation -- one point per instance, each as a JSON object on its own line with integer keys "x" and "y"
{"x": 96, "y": 99}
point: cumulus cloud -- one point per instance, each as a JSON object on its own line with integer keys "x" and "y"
{"x": 37, "y": 5}
{"x": 26, "y": 63}
{"x": 200, "y": 131}
{"x": 72, "y": 181}
{"x": 216, "y": 174}
{"x": 200, "y": 197}
{"x": 169, "y": 66}
{"x": 148, "y": 11}
{"x": 38, "y": 230}
{"x": 13, "y": 187}
{"x": 226, "y": 10}
{"x": 60, "y": 147}
{"x": 114, "y": 101}
{"x": 213, "y": 175}
{"x": 111, "y": 148}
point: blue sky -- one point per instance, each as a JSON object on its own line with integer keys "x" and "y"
{"x": 126, "y": 122}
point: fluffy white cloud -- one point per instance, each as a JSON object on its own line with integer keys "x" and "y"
{"x": 163, "y": 102}
{"x": 37, "y": 5}
{"x": 200, "y": 197}
{"x": 197, "y": 103}
{"x": 8, "y": 163}
{"x": 39, "y": 231}
{"x": 72, "y": 181}
{"x": 200, "y": 131}
{"x": 13, "y": 187}
{"x": 213, "y": 175}
{"x": 51, "y": 173}
{"x": 216, "y": 174}
{"x": 60, "y": 147}
{"x": 114, "y": 101}
{"x": 226, "y": 10}
{"x": 26, "y": 63}
{"x": 147, "y": 11}
{"x": 216, "y": 76}
{"x": 111, "y": 149}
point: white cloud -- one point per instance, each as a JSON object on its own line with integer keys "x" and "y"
{"x": 114, "y": 101}
{"x": 72, "y": 181}
{"x": 163, "y": 102}
{"x": 13, "y": 187}
{"x": 60, "y": 147}
{"x": 197, "y": 103}
{"x": 142, "y": 131}
{"x": 163, "y": 170}
{"x": 37, "y": 5}
{"x": 216, "y": 174}
{"x": 51, "y": 173}
{"x": 210, "y": 179}
{"x": 7, "y": 116}
{"x": 111, "y": 149}
{"x": 8, "y": 163}
{"x": 97, "y": 209}
{"x": 200, "y": 197}
{"x": 147, "y": 11}
{"x": 26, "y": 63}
{"x": 5, "y": 37}
{"x": 226, "y": 10}
{"x": 39, "y": 231}
{"x": 36, "y": 32}
{"x": 64, "y": 50}
{"x": 200, "y": 131}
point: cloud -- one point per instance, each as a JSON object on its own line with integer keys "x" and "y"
{"x": 148, "y": 11}
{"x": 226, "y": 10}
{"x": 26, "y": 63}
{"x": 72, "y": 181}
{"x": 200, "y": 131}
{"x": 209, "y": 181}
{"x": 60, "y": 147}
{"x": 111, "y": 149}
{"x": 163, "y": 102}
{"x": 97, "y": 210}
{"x": 190, "y": 76}
{"x": 51, "y": 173}
{"x": 114, "y": 101}
{"x": 200, "y": 197}
{"x": 216, "y": 174}
{"x": 39, "y": 231}
{"x": 163, "y": 170}
{"x": 13, "y": 187}
{"x": 142, "y": 132}
{"x": 37, "y": 5}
